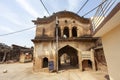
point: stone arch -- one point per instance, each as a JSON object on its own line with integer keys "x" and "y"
{"x": 45, "y": 62}
{"x": 74, "y": 31}
{"x": 72, "y": 53}
{"x": 61, "y": 46}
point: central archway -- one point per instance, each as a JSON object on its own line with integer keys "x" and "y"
{"x": 67, "y": 58}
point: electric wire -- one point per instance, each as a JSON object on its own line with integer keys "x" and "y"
{"x": 26, "y": 28}
{"x": 94, "y": 8}
{"x": 17, "y": 31}
{"x": 82, "y": 6}
{"x": 49, "y": 14}
{"x": 45, "y": 7}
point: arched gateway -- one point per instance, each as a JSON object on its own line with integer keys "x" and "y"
{"x": 67, "y": 57}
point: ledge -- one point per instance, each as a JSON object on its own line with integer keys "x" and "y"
{"x": 49, "y": 39}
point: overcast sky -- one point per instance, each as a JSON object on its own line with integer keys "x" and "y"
{"x": 16, "y": 15}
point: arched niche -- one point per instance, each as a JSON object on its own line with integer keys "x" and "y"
{"x": 74, "y": 31}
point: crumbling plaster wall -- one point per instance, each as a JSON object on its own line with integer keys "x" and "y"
{"x": 49, "y": 29}
{"x": 48, "y": 49}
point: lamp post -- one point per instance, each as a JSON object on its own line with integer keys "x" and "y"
{"x": 56, "y": 43}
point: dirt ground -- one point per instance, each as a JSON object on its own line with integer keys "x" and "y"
{"x": 23, "y": 71}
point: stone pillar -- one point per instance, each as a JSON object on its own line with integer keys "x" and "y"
{"x": 93, "y": 60}
{"x": 81, "y": 65}
{"x": 80, "y": 61}
{"x": 41, "y": 63}
{"x": 61, "y": 32}
{"x": 54, "y": 58}
{"x": 78, "y": 33}
{"x": 93, "y": 65}
{"x": 70, "y": 32}
{"x": 55, "y": 61}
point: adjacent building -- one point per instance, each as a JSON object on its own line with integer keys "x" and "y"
{"x": 109, "y": 31}
{"x": 15, "y": 53}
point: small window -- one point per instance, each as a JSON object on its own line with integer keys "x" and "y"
{"x": 65, "y": 21}
{"x": 73, "y": 21}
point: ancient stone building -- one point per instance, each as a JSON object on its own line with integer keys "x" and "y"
{"x": 70, "y": 39}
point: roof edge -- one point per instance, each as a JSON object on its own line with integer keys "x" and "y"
{"x": 110, "y": 15}
{"x": 61, "y": 14}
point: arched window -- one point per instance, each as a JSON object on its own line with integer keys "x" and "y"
{"x": 74, "y": 31}
{"x": 59, "y": 32}
{"x": 66, "y": 31}
{"x": 45, "y": 62}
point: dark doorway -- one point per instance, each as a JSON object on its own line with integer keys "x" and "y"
{"x": 45, "y": 62}
{"x": 86, "y": 65}
{"x": 67, "y": 58}
{"x": 66, "y": 31}
{"x": 74, "y": 31}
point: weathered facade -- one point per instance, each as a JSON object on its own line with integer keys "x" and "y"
{"x": 74, "y": 40}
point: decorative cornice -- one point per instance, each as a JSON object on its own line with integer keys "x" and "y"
{"x": 61, "y": 14}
